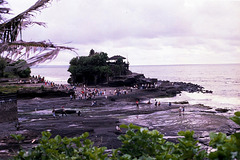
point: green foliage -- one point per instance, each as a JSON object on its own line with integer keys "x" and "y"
{"x": 187, "y": 147}
{"x": 25, "y": 73}
{"x": 18, "y": 137}
{"x": 139, "y": 141}
{"x": 139, "y": 144}
{"x": 236, "y": 118}
{"x": 227, "y": 147}
{"x": 17, "y": 69}
{"x": 89, "y": 69}
{"x": 59, "y": 148}
{"x": 9, "y": 89}
{"x": 13, "y": 89}
{"x": 144, "y": 144}
{"x": 94, "y": 69}
{"x": 21, "y": 69}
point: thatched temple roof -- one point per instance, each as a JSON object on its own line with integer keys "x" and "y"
{"x": 116, "y": 57}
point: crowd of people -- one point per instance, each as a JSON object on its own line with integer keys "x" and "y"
{"x": 90, "y": 93}
{"x": 87, "y": 93}
{"x": 146, "y": 86}
{"x": 46, "y": 83}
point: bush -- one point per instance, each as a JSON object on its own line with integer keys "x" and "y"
{"x": 24, "y": 73}
{"x": 137, "y": 143}
{"x": 227, "y": 147}
{"x": 141, "y": 143}
{"x": 21, "y": 69}
{"x": 59, "y": 148}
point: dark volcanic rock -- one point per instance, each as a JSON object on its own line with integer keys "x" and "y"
{"x": 116, "y": 83}
{"x": 189, "y": 87}
{"x": 181, "y": 102}
{"x": 130, "y": 80}
{"x": 222, "y": 110}
{"x": 100, "y": 121}
{"x": 60, "y": 111}
{"x": 172, "y": 91}
{"x": 31, "y": 93}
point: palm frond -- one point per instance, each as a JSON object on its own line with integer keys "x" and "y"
{"x": 10, "y": 29}
{"x": 25, "y": 24}
{"x": 32, "y": 52}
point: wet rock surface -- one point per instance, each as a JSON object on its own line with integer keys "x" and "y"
{"x": 100, "y": 120}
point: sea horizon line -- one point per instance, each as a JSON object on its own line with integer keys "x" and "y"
{"x": 136, "y": 65}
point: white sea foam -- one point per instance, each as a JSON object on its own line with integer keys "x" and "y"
{"x": 218, "y": 101}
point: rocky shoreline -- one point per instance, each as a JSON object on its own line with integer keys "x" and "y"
{"x": 100, "y": 120}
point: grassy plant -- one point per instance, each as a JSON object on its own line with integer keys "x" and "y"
{"x": 9, "y": 89}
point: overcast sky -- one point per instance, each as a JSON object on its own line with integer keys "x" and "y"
{"x": 147, "y": 32}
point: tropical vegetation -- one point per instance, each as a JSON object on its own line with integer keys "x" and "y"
{"x": 139, "y": 144}
{"x": 16, "y": 69}
{"x": 95, "y": 68}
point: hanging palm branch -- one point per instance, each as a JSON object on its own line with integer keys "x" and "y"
{"x": 11, "y": 28}
{"x": 32, "y": 52}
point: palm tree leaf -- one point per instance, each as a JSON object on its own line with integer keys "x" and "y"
{"x": 34, "y": 52}
{"x": 11, "y": 28}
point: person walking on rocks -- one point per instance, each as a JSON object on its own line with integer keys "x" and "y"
{"x": 155, "y": 103}
{"x": 54, "y": 112}
{"x": 183, "y": 109}
{"x": 180, "y": 111}
{"x": 137, "y": 103}
{"x": 79, "y": 113}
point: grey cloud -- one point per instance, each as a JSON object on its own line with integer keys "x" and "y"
{"x": 148, "y": 26}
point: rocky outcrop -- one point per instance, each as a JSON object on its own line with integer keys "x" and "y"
{"x": 177, "y": 87}
{"x": 38, "y": 92}
{"x": 170, "y": 88}
{"x": 130, "y": 80}
{"x": 68, "y": 111}
{"x": 163, "y": 88}
{"x": 189, "y": 87}
{"x": 222, "y": 110}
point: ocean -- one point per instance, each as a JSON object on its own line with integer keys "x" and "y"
{"x": 222, "y": 79}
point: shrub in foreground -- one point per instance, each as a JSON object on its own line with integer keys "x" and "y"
{"x": 139, "y": 144}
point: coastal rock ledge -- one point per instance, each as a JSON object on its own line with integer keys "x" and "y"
{"x": 166, "y": 87}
